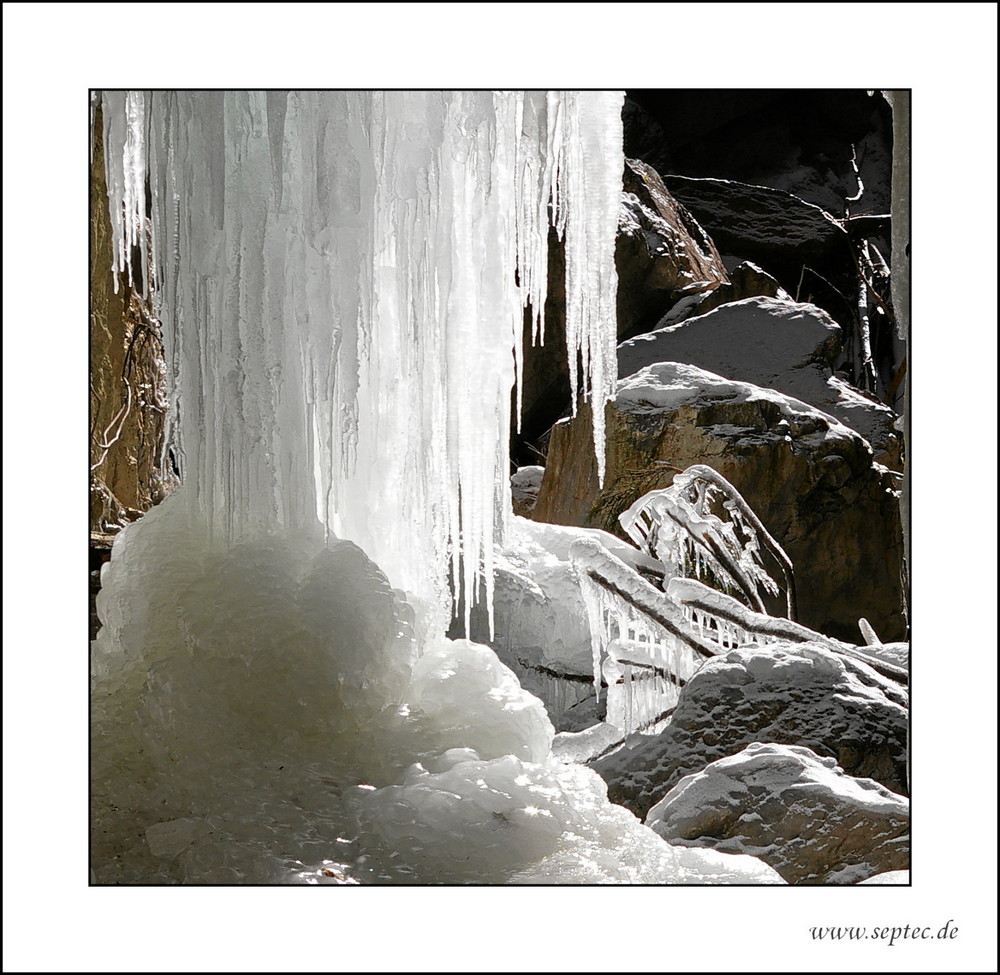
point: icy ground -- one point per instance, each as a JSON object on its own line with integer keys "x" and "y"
{"x": 275, "y": 712}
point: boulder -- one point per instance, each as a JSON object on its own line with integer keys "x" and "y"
{"x": 811, "y": 480}
{"x": 799, "y": 813}
{"x": 790, "y": 694}
{"x": 760, "y": 223}
{"x": 773, "y": 342}
{"x": 801, "y": 245}
{"x": 662, "y": 254}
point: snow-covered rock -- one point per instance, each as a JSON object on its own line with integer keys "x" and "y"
{"x": 773, "y": 342}
{"x": 810, "y": 479}
{"x": 891, "y": 878}
{"x": 796, "y": 811}
{"x": 794, "y": 694}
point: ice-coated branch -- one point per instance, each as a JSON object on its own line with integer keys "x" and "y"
{"x": 710, "y": 607}
{"x": 669, "y": 522}
{"x": 597, "y": 563}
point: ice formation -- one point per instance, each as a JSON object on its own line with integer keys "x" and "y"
{"x": 274, "y": 712}
{"x": 679, "y": 527}
{"x": 641, "y": 643}
{"x": 342, "y": 277}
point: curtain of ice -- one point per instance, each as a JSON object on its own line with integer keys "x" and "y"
{"x": 342, "y": 276}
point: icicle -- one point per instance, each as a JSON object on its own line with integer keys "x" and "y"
{"x": 125, "y": 161}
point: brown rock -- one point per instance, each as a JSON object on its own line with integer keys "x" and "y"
{"x": 127, "y": 408}
{"x": 811, "y": 480}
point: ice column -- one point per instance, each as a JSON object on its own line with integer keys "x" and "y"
{"x": 342, "y": 277}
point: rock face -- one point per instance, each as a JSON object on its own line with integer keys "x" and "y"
{"x": 799, "y": 813}
{"x": 759, "y": 223}
{"x": 524, "y": 485}
{"x": 127, "y": 410}
{"x": 773, "y": 342}
{"x": 662, "y": 253}
{"x": 799, "y": 244}
{"x": 793, "y": 694}
{"x": 797, "y": 140}
{"x": 810, "y": 479}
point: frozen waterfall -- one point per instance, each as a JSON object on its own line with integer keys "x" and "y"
{"x": 342, "y": 277}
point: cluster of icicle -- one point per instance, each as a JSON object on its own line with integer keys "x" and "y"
{"x": 643, "y": 664}
{"x": 726, "y": 634}
{"x": 343, "y": 278}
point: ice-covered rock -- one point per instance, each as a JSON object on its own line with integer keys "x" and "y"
{"x": 541, "y": 628}
{"x": 796, "y": 811}
{"x": 793, "y": 694}
{"x": 776, "y": 343}
{"x": 810, "y": 479}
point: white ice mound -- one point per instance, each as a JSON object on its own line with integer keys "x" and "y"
{"x": 468, "y": 699}
{"x": 271, "y": 712}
